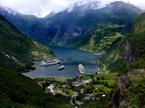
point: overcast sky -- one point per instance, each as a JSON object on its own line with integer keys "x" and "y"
{"x": 41, "y": 8}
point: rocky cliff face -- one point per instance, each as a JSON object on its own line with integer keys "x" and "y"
{"x": 130, "y": 91}
{"x": 131, "y": 52}
{"x": 128, "y": 55}
{"x": 134, "y": 51}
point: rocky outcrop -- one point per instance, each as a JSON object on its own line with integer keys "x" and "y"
{"x": 128, "y": 86}
{"x": 128, "y": 55}
{"x": 120, "y": 94}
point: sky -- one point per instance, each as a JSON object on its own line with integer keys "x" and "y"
{"x": 41, "y": 8}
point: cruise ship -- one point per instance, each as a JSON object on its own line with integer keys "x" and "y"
{"x": 50, "y": 62}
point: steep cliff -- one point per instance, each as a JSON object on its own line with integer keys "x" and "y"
{"x": 131, "y": 52}
{"x": 131, "y": 63}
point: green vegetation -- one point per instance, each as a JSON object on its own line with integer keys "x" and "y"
{"x": 16, "y": 55}
{"x": 131, "y": 52}
{"x": 51, "y": 80}
{"x": 129, "y": 59}
{"x": 98, "y": 104}
{"x": 135, "y": 91}
{"x": 136, "y": 39}
{"x": 103, "y": 88}
{"x": 97, "y": 93}
{"x": 102, "y": 84}
{"x": 87, "y": 77}
{"x": 16, "y": 50}
{"x": 105, "y": 82}
{"x": 108, "y": 76}
{"x": 104, "y": 38}
{"x": 40, "y": 52}
{"x": 70, "y": 92}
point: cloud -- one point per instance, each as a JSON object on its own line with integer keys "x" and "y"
{"x": 38, "y": 8}
{"x": 41, "y": 8}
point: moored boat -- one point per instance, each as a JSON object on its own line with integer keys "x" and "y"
{"x": 81, "y": 68}
{"x": 61, "y": 67}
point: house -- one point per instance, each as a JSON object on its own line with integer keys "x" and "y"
{"x": 50, "y": 88}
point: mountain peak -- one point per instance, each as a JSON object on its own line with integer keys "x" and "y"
{"x": 82, "y": 6}
{"x": 121, "y": 4}
{"x": 66, "y": 26}
{"x": 91, "y": 5}
{"x": 5, "y": 10}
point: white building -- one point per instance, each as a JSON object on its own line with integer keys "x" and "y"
{"x": 50, "y": 88}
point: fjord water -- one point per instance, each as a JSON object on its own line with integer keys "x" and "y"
{"x": 70, "y": 58}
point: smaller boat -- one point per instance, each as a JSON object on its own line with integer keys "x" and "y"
{"x": 61, "y": 67}
{"x": 81, "y": 68}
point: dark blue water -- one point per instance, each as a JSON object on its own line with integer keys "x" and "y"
{"x": 71, "y": 58}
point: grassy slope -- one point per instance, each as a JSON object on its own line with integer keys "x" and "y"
{"x": 104, "y": 38}
{"x": 16, "y": 54}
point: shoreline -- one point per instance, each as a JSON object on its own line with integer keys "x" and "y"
{"x": 53, "y": 78}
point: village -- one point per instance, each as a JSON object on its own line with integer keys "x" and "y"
{"x": 81, "y": 89}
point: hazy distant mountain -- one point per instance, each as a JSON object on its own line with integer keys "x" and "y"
{"x": 74, "y": 27}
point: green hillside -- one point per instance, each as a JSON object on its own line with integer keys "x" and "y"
{"x": 129, "y": 60}
{"x": 105, "y": 37}
{"x": 131, "y": 53}
{"x": 137, "y": 42}
{"x": 17, "y": 50}
{"x": 16, "y": 55}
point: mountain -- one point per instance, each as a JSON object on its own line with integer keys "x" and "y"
{"x": 16, "y": 54}
{"x": 130, "y": 62}
{"x": 130, "y": 54}
{"x": 17, "y": 48}
{"x": 136, "y": 42}
{"x": 77, "y": 26}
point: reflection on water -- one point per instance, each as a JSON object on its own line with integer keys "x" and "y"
{"x": 70, "y": 58}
